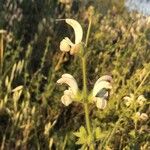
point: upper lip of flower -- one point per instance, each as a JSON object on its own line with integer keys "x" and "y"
{"x": 100, "y": 91}
{"x": 69, "y": 80}
{"x": 2, "y": 31}
{"x": 77, "y": 29}
{"x": 103, "y": 82}
{"x": 78, "y": 35}
{"x": 71, "y": 93}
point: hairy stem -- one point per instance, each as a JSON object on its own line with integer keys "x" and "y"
{"x": 86, "y": 109}
{"x": 88, "y": 32}
{"x": 1, "y": 53}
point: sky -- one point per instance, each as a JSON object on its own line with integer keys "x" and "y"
{"x": 142, "y": 6}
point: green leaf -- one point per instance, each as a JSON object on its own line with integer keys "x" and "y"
{"x": 82, "y": 132}
{"x": 97, "y": 133}
{"x": 82, "y": 135}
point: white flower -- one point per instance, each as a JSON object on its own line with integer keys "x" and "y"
{"x": 65, "y": 1}
{"x": 100, "y": 91}
{"x": 129, "y": 100}
{"x": 141, "y": 100}
{"x": 143, "y": 116}
{"x": 140, "y": 116}
{"x": 18, "y": 88}
{"x": 66, "y": 44}
{"x": 3, "y": 31}
{"x": 70, "y": 94}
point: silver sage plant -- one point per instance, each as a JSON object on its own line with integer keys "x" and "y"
{"x": 97, "y": 96}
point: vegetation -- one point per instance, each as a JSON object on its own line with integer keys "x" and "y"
{"x": 116, "y": 43}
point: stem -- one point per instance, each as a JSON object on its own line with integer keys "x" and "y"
{"x": 88, "y": 32}
{"x": 84, "y": 77}
{"x": 85, "y": 95}
{"x": 109, "y": 136}
{"x": 87, "y": 118}
{"x": 86, "y": 109}
{"x": 1, "y": 53}
{"x": 142, "y": 82}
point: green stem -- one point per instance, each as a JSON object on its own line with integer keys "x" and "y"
{"x": 142, "y": 82}
{"x": 84, "y": 77}
{"x": 85, "y": 95}
{"x": 88, "y": 32}
{"x": 1, "y": 53}
{"x": 86, "y": 109}
{"x": 87, "y": 118}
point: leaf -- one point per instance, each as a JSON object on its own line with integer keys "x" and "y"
{"x": 82, "y": 135}
{"x": 97, "y": 133}
{"x": 82, "y": 132}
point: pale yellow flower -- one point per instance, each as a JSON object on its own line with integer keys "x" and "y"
{"x": 100, "y": 91}
{"x": 143, "y": 116}
{"x": 141, "y": 100}
{"x": 129, "y": 99}
{"x": 65, "y": 1}
{"x": 140, "y": 116}
{"x": 3, "y": 31}
{"x": 18, "y": 88}
{"x": 70, "y": 94}
{"x": 66, "y": 45}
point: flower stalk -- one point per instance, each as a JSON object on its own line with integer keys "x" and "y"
{"x": 84, "y": 78}
{"x": 86, "y": 108}
{"x": 85, "y": 94}
{"x": 88, "y": 32}
{"x": 2, "y": 32}
{"x": 101, "y": 88}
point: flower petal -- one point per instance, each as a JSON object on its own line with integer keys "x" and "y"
{"x": 69, "y": 79}
{"x": 103, "y": 93}
{"x": 66, "y": 100}
{"x": 69, "y": 41}
{"x": 77, "y": 29}
{"x": 3, "y": 31}
{"x": 127, "y": 98}
{"x": 101, "y": 85}
{"x": 18, "y": 88}
{"x": 69, "y": 92}
{"x": 144, "y": 116}
{"x": 104, "y": 78}
{"x": 67, "y": 75}
{"x": 100, "y": 103}
{"x": 64, "y": 46}
{"x": 141, "y": 98}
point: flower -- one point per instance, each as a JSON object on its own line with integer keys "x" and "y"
{"x": 71, "y": 93}
{"x": 141, "y": 100}
{"x": 143, "y": 116}
{"x": 66, "y": 44}
{"x": 140, "y": 116}
{"x": 101, "y": 91}
{"x": 129, "y": 100}
{"x": 3, "y": 31}
{"x": 65, "y": 1}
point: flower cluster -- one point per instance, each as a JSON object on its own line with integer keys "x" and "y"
{"x": 100, "y": 91}
{"x": 140, "y": 116}
{"x": 137, "y": 103}
{"x": 129, "y": 100}
{"x": 102, "y": 86}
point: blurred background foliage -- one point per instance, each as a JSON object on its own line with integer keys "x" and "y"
{"x": 119, "y": 45}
